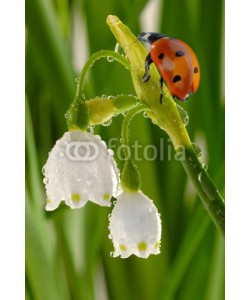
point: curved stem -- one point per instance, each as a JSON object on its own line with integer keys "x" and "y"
{"x": 96, "y": 56}
{"x": 205, "y": 187}
{"x": 130, "y": 179}
{"x": 126, "y": 122}
{"x": 77, "y": 114}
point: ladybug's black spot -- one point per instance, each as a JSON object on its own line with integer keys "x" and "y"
{"x": 179, "y": 53}
{"x": 176, "y": 78}
{"x": 160, "y": 56}
{"x": 196, "y": 70}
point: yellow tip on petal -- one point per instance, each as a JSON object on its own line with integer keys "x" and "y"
{"x": 106, "y": 196}
{"x": 75, "y": 197}
{"x": 157, "y": 245}
{"x": 123, "y": 248}
{"x": 142, "y": 246}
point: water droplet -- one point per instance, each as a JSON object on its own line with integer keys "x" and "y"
{"x": 46, "y": 180}
{"x": 110, "y": 236}
{"x": 44, "y": 170}
{"x": 110, "y": 59}
{"x": 111, "y": 97}
{"x": 91, "y": 129}
{"x": 184, "y": 115}
{"x": 121, "y": 140}
{"x": 82, "y": 99}
{"x": 119, "y": 49}
{"x": 197, "y": 149}
{"x": 66, "y": 115}
{"x": 90, "y": 181}
{"x": 107, "y": 123}
{"x": 111, "y": 152}
{"x": 200, "y": 177}
{"x": 205, "y": 167}
{"x": 206, "y": 206}
{"x": 104, "y": 96}
{"x": 145, "y": 115}
{"x": 77, "y": 79}
{"x": 112, "y": 253}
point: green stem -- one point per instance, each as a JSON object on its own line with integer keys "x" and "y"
{"x": 126, "y": 122}
{"x": 130, "y": 179}
{"x": 205, "y": 187}
{"x": 77, "y": 114}
{"x": 96, "y": 56}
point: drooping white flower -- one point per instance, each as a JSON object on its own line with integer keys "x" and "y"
{"x": 135, "y": 226}
{"x": 80, "y": 168}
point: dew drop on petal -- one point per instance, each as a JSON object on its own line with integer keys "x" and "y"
{"x": 43, "y": 170}
{"x": 46, "y": 180}
{"x": 90, "y": 181}
{"x": 111, "y": 152}
{"x": 119, "y": 49}
{"x": 145, "y": 115}
{"x": 98, "y": 137}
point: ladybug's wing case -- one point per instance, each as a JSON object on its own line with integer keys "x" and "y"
{"x": 174, "y": 63}
{"x": 196, "y": 68}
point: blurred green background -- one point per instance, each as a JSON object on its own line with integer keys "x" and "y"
{"x": 68, "y": 252}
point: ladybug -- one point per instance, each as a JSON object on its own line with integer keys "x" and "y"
{"x": 175, "y": 61}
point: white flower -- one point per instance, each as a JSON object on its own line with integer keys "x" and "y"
{"x": 80, "y": 168}
{"x": 135, "y": 226}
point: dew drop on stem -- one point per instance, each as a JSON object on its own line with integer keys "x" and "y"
{"x": 184, "y": 115}
{"x": 118, "y": 49}
{"x": 110, "y": 59}
{"x": 107, "y": 123}
{"x": 197, "y": 149}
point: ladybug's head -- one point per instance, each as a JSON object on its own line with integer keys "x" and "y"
{"x": 150, "y": 37}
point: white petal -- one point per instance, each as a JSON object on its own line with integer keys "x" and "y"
{"x": 80, "y": 168}
{"x": 135, "y": 226}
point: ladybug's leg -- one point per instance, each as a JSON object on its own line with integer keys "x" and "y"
{"x": 161, "y": 89}
{"x": 148, "y": 62}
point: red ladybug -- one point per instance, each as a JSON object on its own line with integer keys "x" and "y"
{"x": 176, "y": 62}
